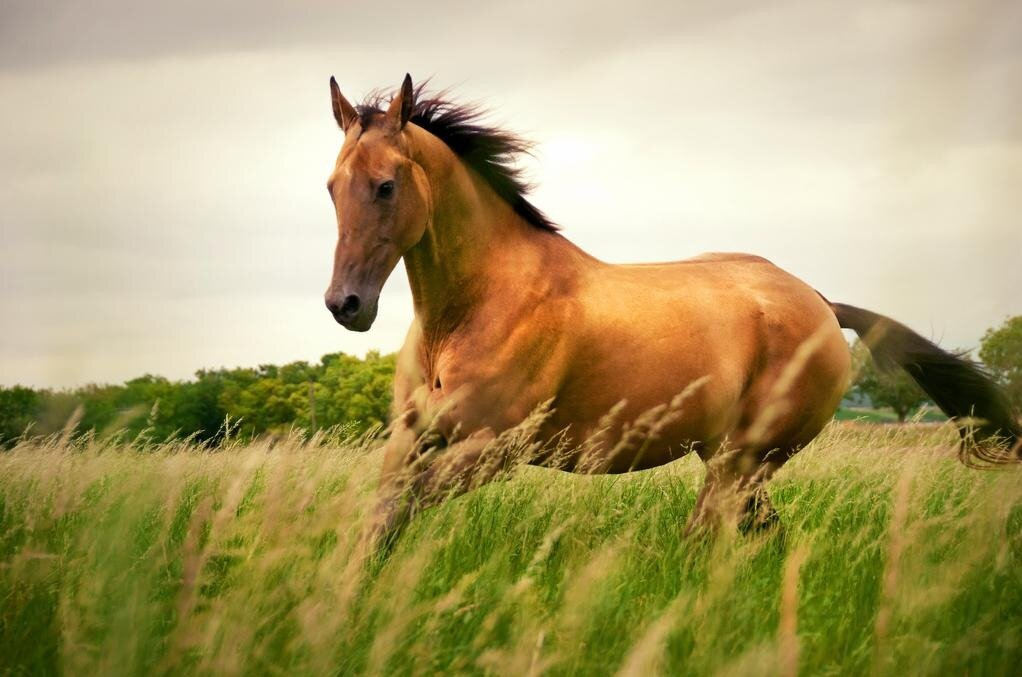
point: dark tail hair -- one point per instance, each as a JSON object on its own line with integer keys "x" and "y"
{"x": 960, "y": 387}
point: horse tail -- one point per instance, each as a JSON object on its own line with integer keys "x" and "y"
{"x": 959, "y": 386}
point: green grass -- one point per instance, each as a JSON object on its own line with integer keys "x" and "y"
{"x": 895, "y": 559}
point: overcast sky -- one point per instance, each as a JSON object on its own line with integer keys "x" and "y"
{"x": 162, "y": 168}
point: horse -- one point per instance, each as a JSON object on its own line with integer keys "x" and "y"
{"x": 723, "y": 354}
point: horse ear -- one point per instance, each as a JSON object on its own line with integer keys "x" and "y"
{"x": 344, "y": 112}
{"x": 401, "y": 105}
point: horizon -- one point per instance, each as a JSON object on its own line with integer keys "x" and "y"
{"x": 850, "y": 337}
{"x": 163, "y": 200}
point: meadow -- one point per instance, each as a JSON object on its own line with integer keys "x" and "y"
{"x": 130, "y": 558}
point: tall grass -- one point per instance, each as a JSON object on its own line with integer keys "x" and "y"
{"x": 894, "y": 559}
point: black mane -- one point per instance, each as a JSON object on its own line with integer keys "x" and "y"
{"x": 490, "y": 151}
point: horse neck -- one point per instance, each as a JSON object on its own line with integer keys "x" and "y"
{"x": 452, "y": 268}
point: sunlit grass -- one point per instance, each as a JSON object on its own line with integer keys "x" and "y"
{"x": 895, "y": 559}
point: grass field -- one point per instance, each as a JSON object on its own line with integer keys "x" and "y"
{"x": 895, "y": 559}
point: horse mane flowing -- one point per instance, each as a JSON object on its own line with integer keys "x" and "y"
{"x": 489, "y": 150}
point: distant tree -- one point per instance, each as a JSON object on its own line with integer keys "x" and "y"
{"x": 196, "y": 406}
{"x": 1001, "y": 351}
{"x": 340, "y": 390}
{"x": 356, "y": 391}
{"x": 107, "y": 408}
{"x": 56, "y": 410}
{"x": 885, "y": 388}
{"x": 19, "y": 407}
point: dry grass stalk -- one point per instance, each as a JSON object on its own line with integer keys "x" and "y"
{"x": 787, "y": 634}
{"x": 895, "y": 548}
{"x": 644, "y": 658}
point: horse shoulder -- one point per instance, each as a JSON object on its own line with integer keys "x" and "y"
{"x": 496, "y": 371}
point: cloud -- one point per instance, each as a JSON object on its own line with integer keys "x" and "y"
{"x": 162, "y": 168}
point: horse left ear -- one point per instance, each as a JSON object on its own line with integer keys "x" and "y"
{"x": 401, "y": 105}
{"x": 344, "y": 112}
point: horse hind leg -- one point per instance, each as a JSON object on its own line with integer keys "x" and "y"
{"x": 758, "y": 513}
{"x": 784, "y": 408}
{"x": 734, "y": 494}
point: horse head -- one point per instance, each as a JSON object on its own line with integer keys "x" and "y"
{"x": 381, "y": 199}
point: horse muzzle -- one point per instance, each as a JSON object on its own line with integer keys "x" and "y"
{"x": 352, "y": 311}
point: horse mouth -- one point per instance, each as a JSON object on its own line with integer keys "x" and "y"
{"x": 361, "y": 322}
{"x": 356, "y": 325}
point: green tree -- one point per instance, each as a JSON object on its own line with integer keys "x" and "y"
{"x": 1001, "y": 351}
{"x": 339, "y": 390}
{"x": 19, "y": 408}
{"x": 356, "y": 391}
{"x": 196, "y": 406}
{"x": 56, "y": 410}
{"x": 885, "y": 388}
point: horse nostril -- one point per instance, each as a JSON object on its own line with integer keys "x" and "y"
{"x": 352, "y": 304}
{"x": 346, "y": 310}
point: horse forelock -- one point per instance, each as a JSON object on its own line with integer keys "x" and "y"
{"x": 489, "y": 150}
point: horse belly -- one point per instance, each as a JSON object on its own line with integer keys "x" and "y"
{"x": 639, "y": 410}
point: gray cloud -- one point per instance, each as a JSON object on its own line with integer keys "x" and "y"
{"x": 33, "y": 33}
{"x": 161, "y": 169}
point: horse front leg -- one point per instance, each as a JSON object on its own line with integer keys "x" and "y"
{"x": 419, "y": 474}
{"x": 392, "y": 508}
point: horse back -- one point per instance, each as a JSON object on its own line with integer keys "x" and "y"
{"x": 646, "y": 332}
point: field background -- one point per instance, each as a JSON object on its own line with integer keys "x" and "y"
{"x": 162, "y": 559}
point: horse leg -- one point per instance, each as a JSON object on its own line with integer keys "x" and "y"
{"x": 758, "y": 514}
{"x": 734, "y": 493}
{"x": 392, "y": 509}
{"x": 419, "y": 475}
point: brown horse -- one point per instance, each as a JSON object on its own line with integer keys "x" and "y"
{"x": 723, "y": 354}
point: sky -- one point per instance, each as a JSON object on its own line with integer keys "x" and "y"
{"x": 162, "y": 165}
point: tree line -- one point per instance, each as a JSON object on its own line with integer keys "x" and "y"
{"x": 342, "y": 390}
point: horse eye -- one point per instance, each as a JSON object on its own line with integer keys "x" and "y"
{"x": 385, "y": 190}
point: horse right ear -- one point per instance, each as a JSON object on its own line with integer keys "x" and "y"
{"x": 344, "y": 112}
